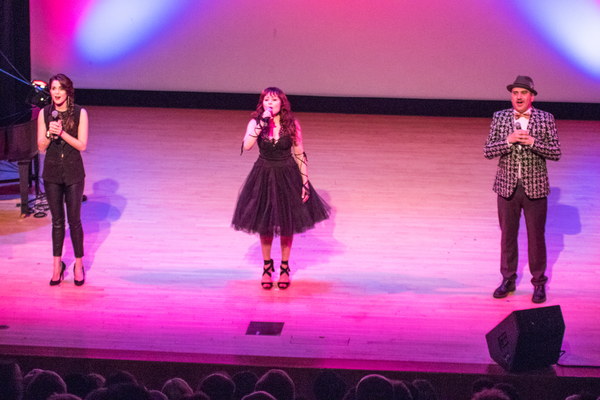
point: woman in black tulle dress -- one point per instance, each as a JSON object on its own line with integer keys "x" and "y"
{"x": 277, "y": 198}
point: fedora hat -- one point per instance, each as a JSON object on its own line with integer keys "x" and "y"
{"x": 524, "y": 82}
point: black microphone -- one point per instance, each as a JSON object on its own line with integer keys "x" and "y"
{"x": 266, "y": 119}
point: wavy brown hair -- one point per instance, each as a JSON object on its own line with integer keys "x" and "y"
{"x": 67, "y": 85}
{"x": 286, "y": 117}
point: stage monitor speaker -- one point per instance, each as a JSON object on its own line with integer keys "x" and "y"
{"x": 528, "y": 339}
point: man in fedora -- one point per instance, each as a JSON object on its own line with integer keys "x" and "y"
{"x": 523, "y": 137}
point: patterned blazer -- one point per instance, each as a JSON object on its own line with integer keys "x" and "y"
{"x": 534, "y": 173}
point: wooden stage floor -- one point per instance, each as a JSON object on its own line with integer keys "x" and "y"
{"x": 401, "y": 276}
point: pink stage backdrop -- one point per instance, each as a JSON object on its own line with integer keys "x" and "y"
{"x": 433, "y": 49}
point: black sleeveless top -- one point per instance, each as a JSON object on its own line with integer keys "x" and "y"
{"x": 275, "y": 149}
{"x": 63, "y": 163}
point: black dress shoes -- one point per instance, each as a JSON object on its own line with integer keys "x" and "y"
{"x": 539, "y": 294}
{"x": 507, "y": 286}
{"x": 81, "y": 282}
{"x": 61, "y": 277}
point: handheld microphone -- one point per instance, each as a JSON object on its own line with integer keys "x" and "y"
{"x": 54, "y": 119}
{"x": 270, "y": 110}
{"x": 518, "y": 128}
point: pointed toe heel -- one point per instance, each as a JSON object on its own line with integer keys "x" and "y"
{"x": 61, "y": 277}
{"x": 81, "y": 282}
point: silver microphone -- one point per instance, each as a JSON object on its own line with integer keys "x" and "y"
{"x": 54, "y": 118}
{"x": 518, "y": 128}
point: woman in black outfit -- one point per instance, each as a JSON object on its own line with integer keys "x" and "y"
{"x": 277, "y": 197}
{"x": 63, "y": 134}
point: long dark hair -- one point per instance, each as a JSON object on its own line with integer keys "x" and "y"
{"x": 67, "y": 85}
{"x": 286, "y": 117}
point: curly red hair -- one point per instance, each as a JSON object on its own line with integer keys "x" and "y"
{"x": 286, "y": 117}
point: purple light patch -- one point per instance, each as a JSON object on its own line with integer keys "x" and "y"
{"x": 110, "y": 29}
{"x": 573, "y": 27}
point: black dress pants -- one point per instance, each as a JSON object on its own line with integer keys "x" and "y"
{"x": 509, "y": 215}
{"x": 59, "y": 194}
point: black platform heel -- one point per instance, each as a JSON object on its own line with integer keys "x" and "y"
{"x": 267, "y": 269}
{"x": 284, "y": 270}
{"x": 61, "y": 277}
{"x": 81, "y": 282}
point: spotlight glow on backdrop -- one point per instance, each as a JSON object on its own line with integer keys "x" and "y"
{"x": 572, "y": 27}
{"x": 111, "y": 29}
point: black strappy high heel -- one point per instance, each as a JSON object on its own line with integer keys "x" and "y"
{"x": 61, "y": 277}
{"x": 81, "y": 282}
{"x": 284, "y": 270}
{"x": 267, "y": 269}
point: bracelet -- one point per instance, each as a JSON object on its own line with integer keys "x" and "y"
{"x": 48, "y": 134}
{"x": 60, "y": 134}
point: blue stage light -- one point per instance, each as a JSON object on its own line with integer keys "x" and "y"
{"x": 572, "y": 27}
{"x": 113, "y": 28}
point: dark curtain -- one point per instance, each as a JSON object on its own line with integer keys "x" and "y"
{"x": 15, "y": 46}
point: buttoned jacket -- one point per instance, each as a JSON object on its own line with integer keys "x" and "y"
{"x": 534, "y": 173}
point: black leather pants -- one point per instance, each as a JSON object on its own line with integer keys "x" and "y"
{"x": 57, "y": 195}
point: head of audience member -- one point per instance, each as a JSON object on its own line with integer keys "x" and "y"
{"x": 258, "y": 396}
{"x": 401, "y": 392}
{"x": 157, "y": 395}
{"x": 127, "y": 391}
{"x": 490, "y": 394}
{"x": 120, "y": 377}
{"x": 217, "y": 386}
{"x": 329, "y": 386}
{"x": 98, "y": 394}
{"x": 414, "y": 392}
{"x": 350, "y": 394}
{"x": 480, "y": 384}
{"x": 278, "y": 384}
{"x": 80, "y": 385}
{"x": 244, "y": 381}
{"x": 198, "y": 395}
{"x": 582, "y": 396}
{"x": 176, "y": 388}
{"x": 98, "y": 379}
{"x": 44, "y": 384}
{"x": 374, "y": 387}
{"x": 11, "y": 381}
{"x": 29, "y": 377}
{"x": 64, "y": 396}
{"x": 426, "y": 390}
{"x": 509, "y": 390}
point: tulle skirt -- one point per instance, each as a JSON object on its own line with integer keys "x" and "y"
{"x": 270, "y": 201}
